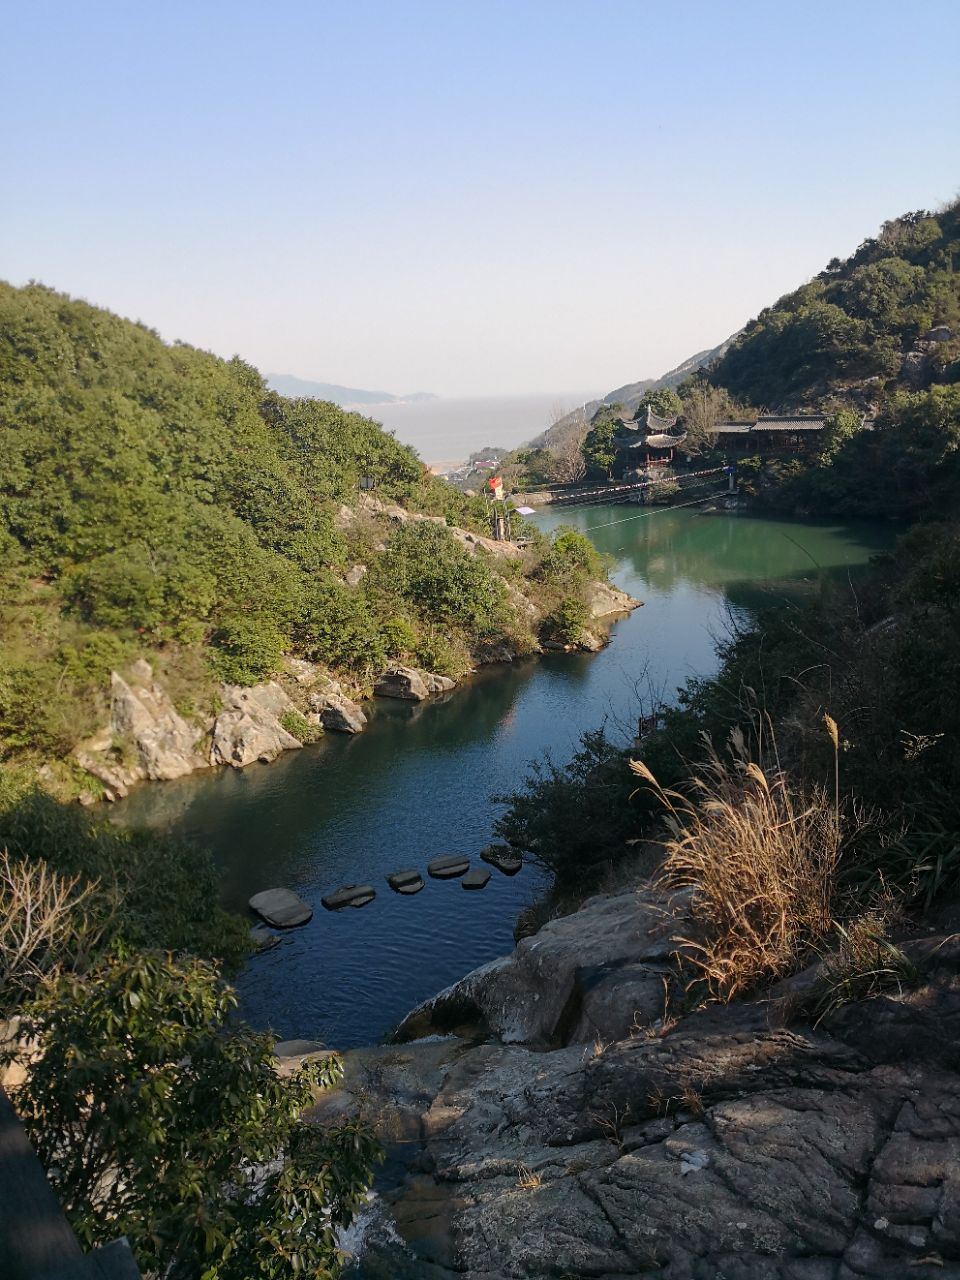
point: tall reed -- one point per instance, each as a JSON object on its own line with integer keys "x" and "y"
{"x": 760, "y": 856}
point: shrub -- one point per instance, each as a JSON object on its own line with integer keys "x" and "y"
{"x": 427, "y": 567}
{"x": 45, "y": 923}
{"x": 156, "y": 1121}
{"x": 400, "y": 637}
{"x": 865, "y": 963}
{"x": 568, "y": 621}
{"x": 247, "y": 649}
{"x": 154, "y": 891}
{"x": 300, "y": 726}
{"x": 572, "y": 554}
{"x": 573, "y": 818}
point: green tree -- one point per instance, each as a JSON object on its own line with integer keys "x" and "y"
{"x": 599, "y": 454}
{"x": 664, "y": 401}
{"x": 156, "y": 1121}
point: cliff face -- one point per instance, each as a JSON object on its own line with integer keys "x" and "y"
{"x": 720, "y": 1143}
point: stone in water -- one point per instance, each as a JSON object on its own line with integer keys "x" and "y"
{"x": 503, "y": 858}
{"x": 349, "y": 895}
{"x": 449, "y": 867}
{"x": 406, "y": 882}
{"x": 281, "y": 908}
{"x": 476, "y": 879}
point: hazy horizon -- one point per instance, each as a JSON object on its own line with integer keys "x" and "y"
{"x": 450, "y": 428}
{"x": 473, "y": 201}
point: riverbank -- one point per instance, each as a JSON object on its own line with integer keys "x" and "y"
{"x": 148, "y": 740}
{"x": 757, "y": 1143}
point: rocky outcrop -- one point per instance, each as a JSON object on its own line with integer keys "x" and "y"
{"x": 474, "y": 542}
{"x": 402, "y": 682}
{"x": 600, "y": 972}
{"x": 144, "y": 713}
{"x": 607, "y": 601}
{"x": 160, "y": 744}
{"x": 249, "y": 726}
{"x": 335, "y": 710}
{"x": 722, "y": 1143}
{"x": 411, "y": 685}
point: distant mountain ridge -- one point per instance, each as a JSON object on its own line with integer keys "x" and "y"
{"x": 289, "y": 385}
{"x": 631, "y": 393}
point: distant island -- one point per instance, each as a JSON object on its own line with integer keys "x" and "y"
{"x": 288, "y": 385}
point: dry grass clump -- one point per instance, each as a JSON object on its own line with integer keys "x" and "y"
{"x": 761, "y": 858}
{"x": 865, "y": 963}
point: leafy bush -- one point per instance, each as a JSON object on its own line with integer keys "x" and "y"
{"x": 573, "y": 818}
{"x": 247, "y": 649}
{"x": 428, "y": 567}
{"x": 300, "y": 727}
{"x": 568, "y": 621}
{"x": 154, "y": 891}
{"x": 157, "y": 1122}
{"x": 400, "y": 637}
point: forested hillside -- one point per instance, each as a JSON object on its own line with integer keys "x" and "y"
{"x": 156, "y": 500}
{"x": 858, "y": 322}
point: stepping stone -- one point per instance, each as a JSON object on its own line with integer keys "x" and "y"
{"x": 476, "y": 879}
{"x": 297, "y": 1048}
{"x": 262, "y": 939}
{"x": 406, "y": 882}
{"x": 281, "y": 908}
{"x": 503, "y": 858}
{"x": 349, "y": 895}
{"x": 448, "y": 868}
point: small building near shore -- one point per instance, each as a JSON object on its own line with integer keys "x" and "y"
{"x": 646, "y": 442}
{"x": 771, "y": 433}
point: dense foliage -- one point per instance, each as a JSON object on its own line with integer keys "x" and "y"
{"x": 157, "y": 1122}
{"x": 148, "y": 890}
{"x": 156, "y": 500}
{"x": 882, "y": 656}
{"x": 856, "y": 320}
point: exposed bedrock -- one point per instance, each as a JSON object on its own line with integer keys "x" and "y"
{"x": 719, "y": 1145}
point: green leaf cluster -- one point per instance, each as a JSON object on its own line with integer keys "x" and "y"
{"x": 158, "y": 1119}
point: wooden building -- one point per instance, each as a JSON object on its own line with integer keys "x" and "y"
{"x": 773, "y": 433}
{"x": 645, "y": 443}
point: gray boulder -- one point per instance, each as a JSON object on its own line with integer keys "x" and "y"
{"x": 437, "y": 684}
{"x": 402, "y": 682}
{"x": 600, "y": 972}
{"x": 144, "y": 714}
{"x": 338, "y": 713}
{"x": 281, "y": 908}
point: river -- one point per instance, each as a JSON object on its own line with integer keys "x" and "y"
{"x": 420, "y": 782}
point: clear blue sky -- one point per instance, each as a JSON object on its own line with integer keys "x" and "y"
{"x": 473, "y": 197}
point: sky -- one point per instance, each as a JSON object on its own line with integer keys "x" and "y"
{"x": 470, "y": 198}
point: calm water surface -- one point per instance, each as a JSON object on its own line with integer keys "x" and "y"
{"x": 421, "y": 781}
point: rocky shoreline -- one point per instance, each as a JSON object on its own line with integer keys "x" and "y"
{"x": 147, "y": 739}
{"x": 560, "y": 1115}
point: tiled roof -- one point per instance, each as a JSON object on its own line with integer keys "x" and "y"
{"x": 655, "y": 423}
{"x": 662, "y": 440}
{"x": 731, "y": 428}
{"x": 806, "y": 422}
